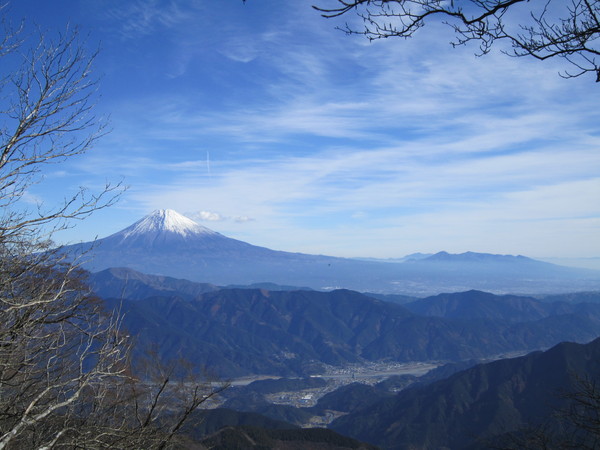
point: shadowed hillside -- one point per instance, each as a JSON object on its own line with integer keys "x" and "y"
{"x": 479, "y": 406}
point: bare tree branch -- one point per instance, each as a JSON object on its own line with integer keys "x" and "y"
{"x": 551, "y": 28}
{"x": 65, "y": 374}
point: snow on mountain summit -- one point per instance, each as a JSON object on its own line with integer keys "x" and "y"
{"x": 166, "y": 220}
{"x": 162, "y": 233}
{"x": 163, "y": 227}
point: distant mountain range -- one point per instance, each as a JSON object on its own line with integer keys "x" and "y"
{"x": 240, "y": 314}
{"x": 503, "y": 404}
{"x": 238, "y": 332}
{"x": 483, "y": 305}
{"x": 168, "y": 244}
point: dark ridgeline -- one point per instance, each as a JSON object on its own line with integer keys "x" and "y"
{"x": 236, "y": 332}
{"x": 503, "y": 404}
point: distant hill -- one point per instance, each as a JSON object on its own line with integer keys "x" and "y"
{"x": 133, "y": 285}
{"x": 237, "y": 332}
{"x": 119, "y": 282}
{"x": 479, "y": 258}
{"x": 483, "y": 305}
{"x": 573, "y": 297}
{"x": 486, "y": 406}
{"x": 168, "y": 244}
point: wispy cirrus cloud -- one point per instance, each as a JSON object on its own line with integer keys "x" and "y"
{"x": 145, "y": 17}
{"x": 335, "y": 145}
{"x": 211, "y": 216}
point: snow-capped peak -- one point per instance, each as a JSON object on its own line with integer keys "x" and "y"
{"x": 166, "y": 220}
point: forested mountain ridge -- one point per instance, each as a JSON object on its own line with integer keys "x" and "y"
{"x": 484, "y": 305}
{"x": 490, "y": 405}
{"x": 133, "y": 285}
{"x": 237, "y": 332}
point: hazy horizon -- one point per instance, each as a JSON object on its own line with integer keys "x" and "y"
{"x": 587, "y": 263}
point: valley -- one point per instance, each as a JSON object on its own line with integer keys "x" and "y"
{"x": 358, "y": 363}
{"x": 372, "y": 246}
{"x": 364, "y": 373}
{"x": 336, "y": 377}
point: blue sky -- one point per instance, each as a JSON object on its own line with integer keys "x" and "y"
{"x": 263, "y": 122}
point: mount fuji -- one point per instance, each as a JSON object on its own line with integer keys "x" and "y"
{"x": 169, "y": 244}
{"x": 166, "y": 231}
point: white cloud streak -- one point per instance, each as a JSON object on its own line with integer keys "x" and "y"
{"x": 211, "y": 216}
{"x": 324, "y": 143}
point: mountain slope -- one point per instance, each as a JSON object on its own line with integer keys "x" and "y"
{"x": 132, "y": 285}
{"x": 258, "y": 438}
{"x": 165, "y": 233}
{"x": 482, "y": 403}
{"x": 477, "y": 304}
{"x": 237, "y": 332}
{"x": 168, "y": 244}
{"x": 483, "y": 305}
